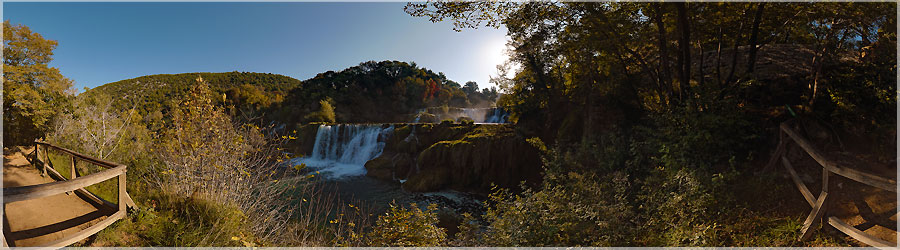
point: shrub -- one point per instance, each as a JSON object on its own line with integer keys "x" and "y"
{"x": 447, "y": 122}
{"x": 572, "y": 208}
{"x": 325, "y": 113}
{"x": 412, "y": 227}
{"x": 167, "y": 220}
{"x": 686, "y": 137}
{"x": 208, "y": 157}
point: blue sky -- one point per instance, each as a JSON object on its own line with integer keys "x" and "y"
{"x": 106, "y": 42}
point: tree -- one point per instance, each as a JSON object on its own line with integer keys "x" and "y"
{"x": 94, "y": 127}
{"x": 470, "y": 87}
{"x": 33, "y": 92}
{"x": 325, "y": 113}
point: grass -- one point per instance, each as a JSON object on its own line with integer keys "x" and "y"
{"x": 165, "y": 220}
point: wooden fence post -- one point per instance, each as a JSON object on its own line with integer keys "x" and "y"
{"x": 46, "y": 161}
{"x": 74, "y": 173}
{"x": 122, "y": 193}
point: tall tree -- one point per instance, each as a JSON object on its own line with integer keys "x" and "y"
{"x": 33, "y": 92}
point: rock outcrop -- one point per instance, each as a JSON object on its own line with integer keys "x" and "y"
{"x": 463, "y": 157}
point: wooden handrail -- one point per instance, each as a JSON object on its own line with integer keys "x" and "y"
{"x": 95, "y": 161}
{"x": 75, "y": 183}
{"x": 820, "y": 204}
{"x": 862, "y": 177}
{"x": 14, "y": 194}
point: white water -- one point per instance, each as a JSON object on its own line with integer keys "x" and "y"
{"x": 497, "y": 116}
{"x": 343, "y": 150}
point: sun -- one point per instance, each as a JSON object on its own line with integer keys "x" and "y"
{"x": 494, "y": 53}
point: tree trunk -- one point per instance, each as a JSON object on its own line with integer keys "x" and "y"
{"x": 719, "y": 59}
{"x": 734, "y": 51}
{"x": 664, "y": 74}
{"x": 751, "y": 60}
{"x": 684, "y": 44}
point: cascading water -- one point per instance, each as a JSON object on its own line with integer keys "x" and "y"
{"x": 343, "y": 150}
{"x": 497, "y": 115}
{"x": 486, "y": 115}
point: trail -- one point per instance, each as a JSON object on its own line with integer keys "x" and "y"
{"x": 39, "y": 221}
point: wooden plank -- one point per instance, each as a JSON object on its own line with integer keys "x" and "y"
{"x": 857, "y": 234}
{"x": 813, "y": 219}
{"x": 74, "y": 172}
{"x": 87, "y": 158}
{"x": 129, "y": 201}
{"x": 41, "y": 190}
{"x": 803, "y": 189}
{"x": 87, "y": 232}
{"x": 45, "y": 164}
{"x": 90, "y": 196}
{"x": 84, "y": 193}
{"x": 862, "y": 177}
{"x": 122, "y": 193}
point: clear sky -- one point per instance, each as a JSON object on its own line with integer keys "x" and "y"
{"x": 106, "y": 42}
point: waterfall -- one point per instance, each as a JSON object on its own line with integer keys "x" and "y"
{"x": 497, "y": 115}
{"x": 343, "y": 150}
{"x": 486, "y": 115}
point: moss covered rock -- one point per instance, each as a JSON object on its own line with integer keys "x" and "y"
{"x": 488, "y": 155}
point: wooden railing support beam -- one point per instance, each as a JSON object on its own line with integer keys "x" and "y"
{"x": 814, "y": 217}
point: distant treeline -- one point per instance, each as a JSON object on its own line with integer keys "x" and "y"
{"x": 370, "y": 92}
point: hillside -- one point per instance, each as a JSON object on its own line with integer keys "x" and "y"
{"x": 150, "y": 95}
{"x": 386, "y": 91}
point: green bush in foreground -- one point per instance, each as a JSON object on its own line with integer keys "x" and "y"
{"x": 408, "y": 227}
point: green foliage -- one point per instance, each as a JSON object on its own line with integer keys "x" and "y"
{"x": 385, "y": 91}
{"x": 571, "y": 208}
{"x": 325, "y": 113}
{"x": 244, "y": 94}
{"x": 408, "y": 227}
{"x": 698, "y": 139}
{"x": 94, "y": 128}
{"x": 33, "y": 92}
{"x": 167, "y": 220}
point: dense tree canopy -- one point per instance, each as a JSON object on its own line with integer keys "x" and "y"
{"x": 33, "y": 92}
{"x": 386, "y": 91}
{"x": 655, "y": 57}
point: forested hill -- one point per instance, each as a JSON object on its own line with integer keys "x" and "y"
{"x": 150, "y": 94}
{"x": 386, "y": 91}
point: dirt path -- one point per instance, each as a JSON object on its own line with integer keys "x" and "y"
{"x": 39, "y": 221}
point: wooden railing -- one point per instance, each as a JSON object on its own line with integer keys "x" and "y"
{"x": 820, "y": 203}
{"x": 74, "y": 184}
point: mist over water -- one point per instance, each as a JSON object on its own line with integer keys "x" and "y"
{"x": 478, "y": 115}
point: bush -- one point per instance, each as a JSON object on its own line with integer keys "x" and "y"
{"x": 447, "y": 122}
{"x": 572, "y": 208}
{"x": 412, "y": 227}
{"x": 686, "y": 137}
{"x": 208, "y": 157}
{"x": 167, "y": 220}
{"x": 325, "y": 113}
